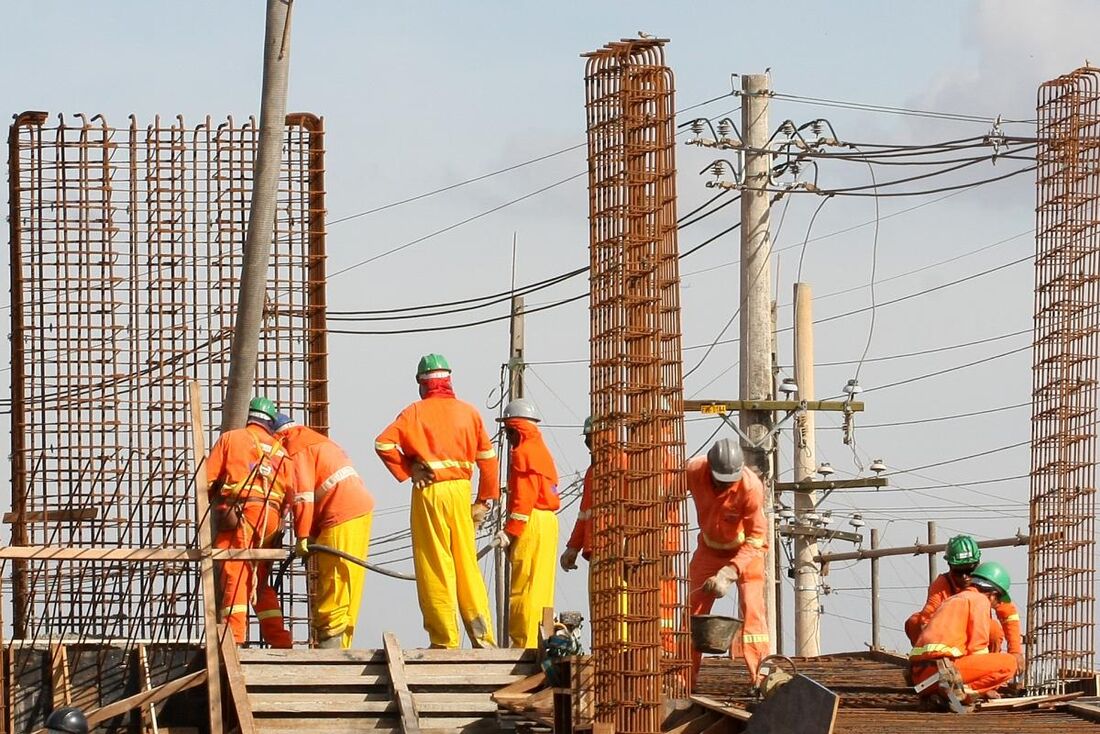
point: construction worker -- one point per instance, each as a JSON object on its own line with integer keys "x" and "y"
{"x": 963, "y": 555}
{"x": 530, "y": 530}
{"x": 733, "y": 539}
{"x": 333, "y": 508}
{"x": 249, "y": 476}
{"x": 951, "y": 658}
{"x": 437, "y": 441}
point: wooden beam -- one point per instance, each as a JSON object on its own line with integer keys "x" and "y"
{"x": 829, "y": 485}
{"x": 395, "y": 663}
{"x": 144, "y": 684}
{"x": 136, "y": 555}
{"x": 83, "y": 514}
{"x": 235, "y": 679}
{"x": 59, "y": 676}
{"x": 206, "y": 561}
{"x": 718, "y": 706}
{"x": 920, "y": 548}
{"x": 717, "y": 407}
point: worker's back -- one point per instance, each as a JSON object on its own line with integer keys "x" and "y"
{"x": 446, "y": 434}
{"x": 960, "y": 626}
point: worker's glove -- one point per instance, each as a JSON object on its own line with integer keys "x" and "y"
{"x": 719, "y": 584}
{"x": 301, "y": 548}
{"x": 478, "y": 512}
{"x": 422, "y": 475}
{"x": 502, "y": 539}
{"x": 569, "y": 559}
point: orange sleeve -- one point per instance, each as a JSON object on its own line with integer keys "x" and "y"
{"x": 938, "y": 591}
{"x": 580, "y": 528}
{"x": 1009, "y": 616}
{"x": 388, "y": 444}
{"x": 977, "y": 625}
{"x": 756, "y": 527}
{"x": 302, "y": 499}
{"x": 522, "y": 490}
{"x": 488, "y": 465}
{"x": 215, "y": 462}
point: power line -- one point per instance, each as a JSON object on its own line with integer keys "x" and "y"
{"x": 907, "y": 111}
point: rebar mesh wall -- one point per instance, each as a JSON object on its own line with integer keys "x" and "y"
{"x": 638, "y": 571}
{"x": 126, "y": 252}
{"x": 1062, "y": 567}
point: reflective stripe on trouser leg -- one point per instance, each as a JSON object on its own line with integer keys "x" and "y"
{"x": 339, "y": 591}
{"x": 445, "y": 563}
{"x": 755, "y": 640}
{"x": 534, "y": 563}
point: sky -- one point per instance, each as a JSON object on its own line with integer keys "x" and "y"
{"x": 418, "y": 96}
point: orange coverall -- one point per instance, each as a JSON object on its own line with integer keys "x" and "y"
{"x": 533, "y": 525}
{"x": 733, "y": 532}
{"x": 331, "y": 506}
{"x": 448, "y": 436}
{"x": 248, "y": 469}
{"x": 959, "y": 630}
{"x": 1005, "y": 627}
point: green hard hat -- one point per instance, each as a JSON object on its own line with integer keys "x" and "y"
{"x": 962, "y": 551}
{"x": 263, "y": 406}
{"x": 995, "y": 574}
{"x": 587, "y": 430}
{"x": 432, "y": 363}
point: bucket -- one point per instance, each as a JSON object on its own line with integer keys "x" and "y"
{"x": 713, "y": 633}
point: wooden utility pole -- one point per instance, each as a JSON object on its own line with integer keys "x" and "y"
{"x": 875, "y": 642}
{"x": 756, "y": 348}
{"x": 807, "y": 605}
{"x": 261, "y": 217}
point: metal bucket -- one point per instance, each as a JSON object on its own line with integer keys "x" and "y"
{"x": 713, "y": 633}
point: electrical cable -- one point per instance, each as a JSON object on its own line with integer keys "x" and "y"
{"x": 907, "y": 111}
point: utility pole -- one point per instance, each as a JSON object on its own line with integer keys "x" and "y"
{"x": 807, "y": 605}
{"x": 931, "y": 556}
{"x": 756, "y": 348}
{"x": 874, "y": 593}
{"x": 261, "y": 217}
{"x": 515, "y": 390}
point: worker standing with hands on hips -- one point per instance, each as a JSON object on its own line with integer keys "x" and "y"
{"x": 249, "y": 476}
{"x": 963, "y": 555}
{"x": 331, "y": 507}
{"x": 733, "y": 540}
{"x": 531, "y": 528}
{"x": 437, "y": 441}
{"x": 950, "y": 658}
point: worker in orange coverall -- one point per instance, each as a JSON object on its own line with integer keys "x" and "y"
{"x": 249, "y": 476}
{"x": 963, "y": 555}
{"x": 530, "y": 530}
{"x": 437, "y": 441}
{"x": 955, "y": 644}
{"x": 733, "y": 539}
{"x": 580, "y": 544}
{"x": 331, "y": 507}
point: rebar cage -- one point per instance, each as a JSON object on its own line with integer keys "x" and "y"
{"x": 1062, "y": 566}
{"x": 640, "y": 642}
{"x": 126, "y": 250}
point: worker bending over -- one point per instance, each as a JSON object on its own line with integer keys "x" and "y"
{"x": 733, "y": 539}
{"x": 331, "y": 507}
{"x": 531, "y": 528}
{"x": 963, "y": 555}
{"x": 437, "y": 441}
{"x": 950, "y": 660}
{"x": 249, "y": 476}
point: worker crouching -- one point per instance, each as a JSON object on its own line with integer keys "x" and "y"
{"x": 733, "y": 541}
{"x": 437, "y": 441}
{"x": 531, "y": 529}
{"x": 332, "y": 507}
{"x": 951, "y": 662}
{"x": 249, "y": 475}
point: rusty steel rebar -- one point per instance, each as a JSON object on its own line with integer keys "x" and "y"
{"x": 639, "y": 564}
{"x": 125, "y": 251}
{"x": 1061, "y": 565}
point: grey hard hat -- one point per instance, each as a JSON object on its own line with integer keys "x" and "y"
{"x": 67, "y": 720}
{"x": 520, "y": 408}
{"x": 726, "y": 461}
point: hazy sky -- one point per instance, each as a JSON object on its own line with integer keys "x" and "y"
{"x": 420, "y": 95}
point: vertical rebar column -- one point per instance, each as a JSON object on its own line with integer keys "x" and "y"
{"x": 1061, "y": 563}
{"x": 638, "y": 565}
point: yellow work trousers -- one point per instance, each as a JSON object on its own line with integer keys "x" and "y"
{"x": 534, "y": 561}
{"x": 445, "y": 563}
{"x": 339, "y": 589}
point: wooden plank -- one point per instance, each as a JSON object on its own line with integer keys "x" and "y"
{"x": 476, "y": 656}
{"x": 330, "y": 725}
{"x": 1087, "y": 709}
{"x": 148, "y": 715}
{"x": 491, "y": 681}
{"x": 414, "y": 658}
{"x": 258, "y": 675}
{"x": 730, "y": 406}
{"x": 81, "y": 514}
{"x": 59, "y": 676}
{"x": 521, "y": 688}
{"x": 718, "y": 706}
{"x": 135, "y": 555}
{"x": 395, "y": 661}
{"x": 238, "y": 692}
{"x": 321, "y": 703}
{"x": 462, "y": 669}
{"x": 306, "y": 656}
{"x": 1022, "y": 702}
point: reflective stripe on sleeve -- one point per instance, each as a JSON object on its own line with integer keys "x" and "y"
{"x": 519, "y": 516}
{"x": 303, "y": 497}
{"x": 269, "y": 614}
{"x": 710, "y": 543}
{"x": 952, "y": 652}
{"x": 235, "y": 609}
{"x": 755, "y": 542}
{"x": 1012, "y": 618}
{"x": 483, "y": 455}
{"x": 336, "y": 477}
{"x": 750, "y": 639}
{"x": 383, "y": 446}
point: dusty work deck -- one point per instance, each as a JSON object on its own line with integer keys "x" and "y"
{"x": 874, "y": 698}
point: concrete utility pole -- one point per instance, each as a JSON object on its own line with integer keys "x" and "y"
{"x": 807, "y": 605}
{"x": 756, "y": 348}
{"x": 875, "y": 641}
{"x": 503, "y": 574}
{"x": 261, "y": 217}
{"x": 931, "y": 556}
